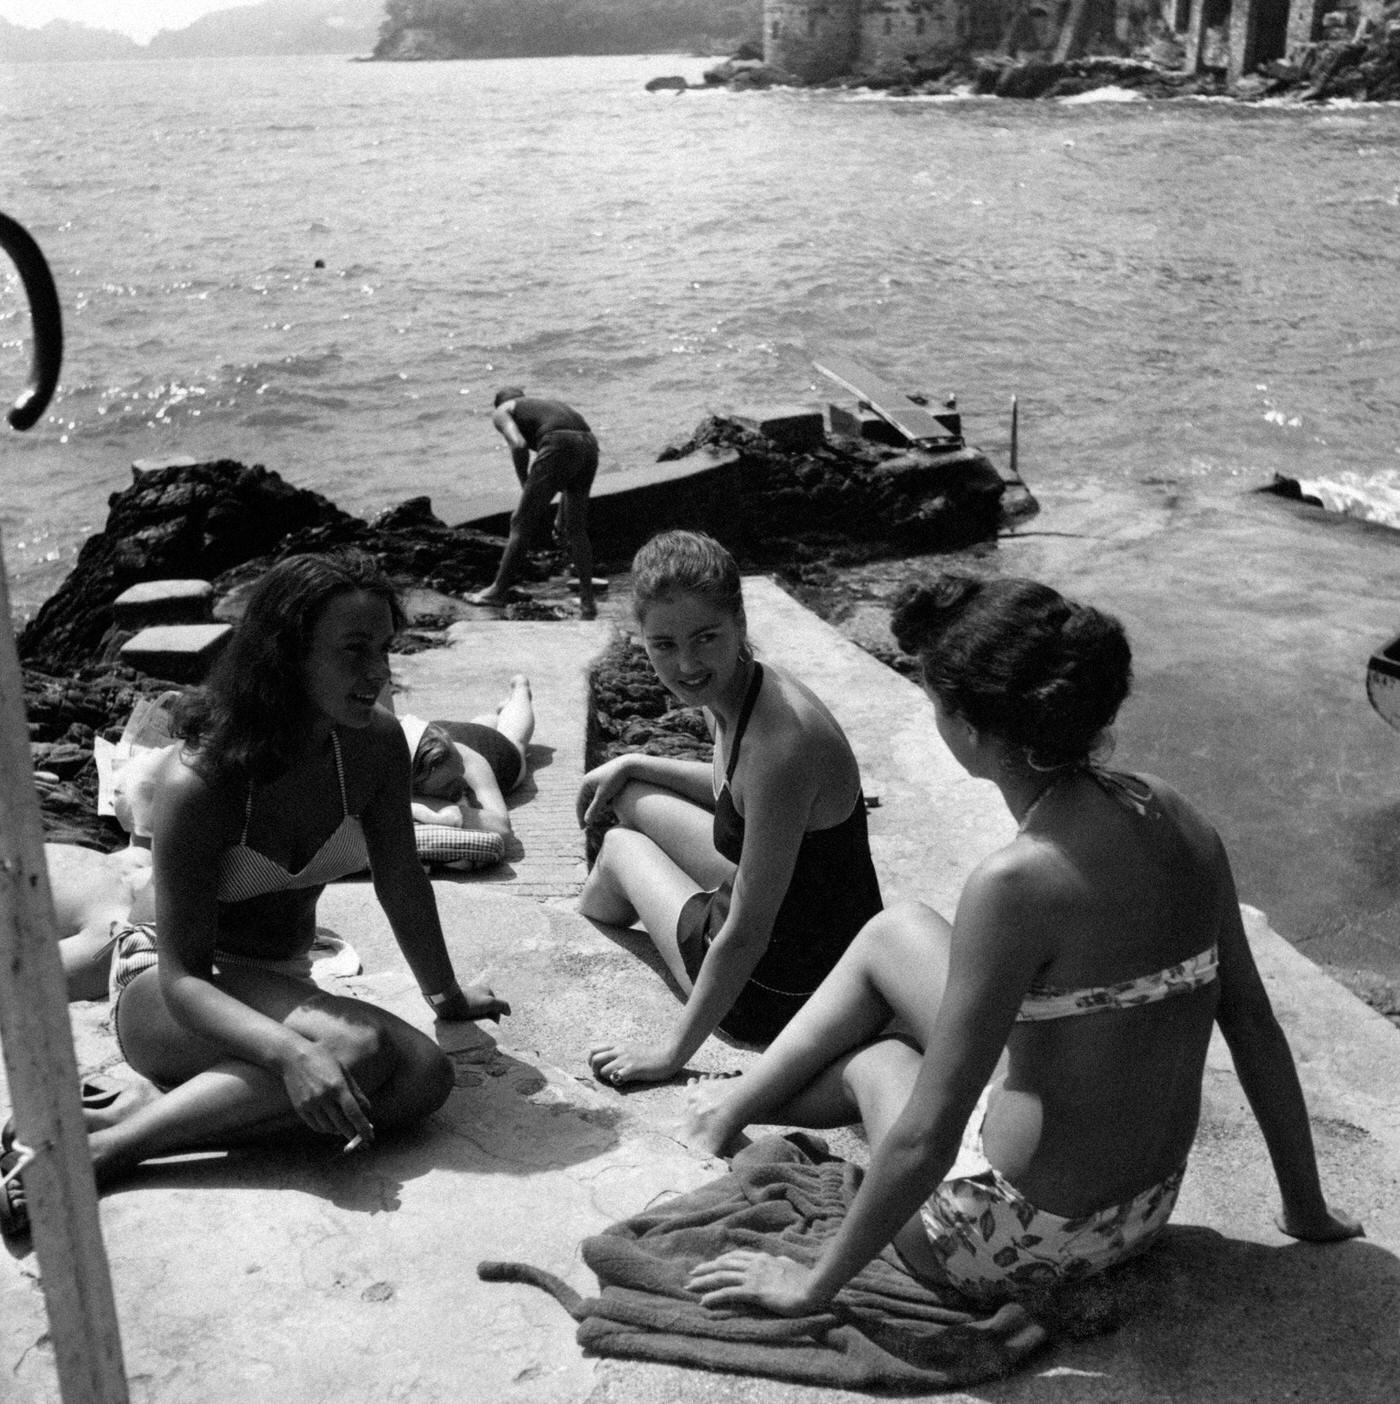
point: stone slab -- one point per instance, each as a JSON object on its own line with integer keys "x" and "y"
{"x": 799, "y": 428}
{"x": 164, "y": 602}
{"x": 154, "y": 465}
{"x": 182, "y": 653}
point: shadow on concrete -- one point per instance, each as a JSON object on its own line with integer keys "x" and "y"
{"x": 637, "y": 943}
{"x": 359, "y": 1183}
{"x": 504, "y": 1115}
{"x": 1208, "y": 1317}
{"x": 508, "y": 1115}
{"x": 537, "y": 757}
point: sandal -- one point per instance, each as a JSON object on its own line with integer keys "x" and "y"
{"x": 14, "y": 1212}
{"x": 99, "y": 1093}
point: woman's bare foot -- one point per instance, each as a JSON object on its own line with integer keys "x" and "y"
{"x": 518, "y": 684}
{"x": 705, "y": 1125}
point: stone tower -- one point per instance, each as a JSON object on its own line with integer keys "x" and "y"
{"x": 812, "y": 39}
{"x": 819, "y": 39}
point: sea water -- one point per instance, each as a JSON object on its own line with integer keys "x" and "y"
{"x": 327, "y": 267}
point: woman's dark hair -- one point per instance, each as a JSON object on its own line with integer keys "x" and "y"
{"x": 252, "y": 716}
{"x": 434, "y": 747}
{"x": 685, "y": 563}
{"x": 1017, "y": 659}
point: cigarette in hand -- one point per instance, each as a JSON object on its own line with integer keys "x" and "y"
{"x": 354, "y": 1143}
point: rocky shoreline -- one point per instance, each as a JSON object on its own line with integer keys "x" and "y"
{"x": 800, "y": 512}
{"x": 1361, "y": 65}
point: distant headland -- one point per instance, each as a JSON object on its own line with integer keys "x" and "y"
{"x": 419, "y": 30}
{"x": 1303, "y": 49}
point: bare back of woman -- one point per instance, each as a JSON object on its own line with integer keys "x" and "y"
{"x": 1029, "y": 1076}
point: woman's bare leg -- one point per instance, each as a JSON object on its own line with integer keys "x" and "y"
{"x": 221, "y": 1101}
{"x": 892, "y": 975}
{"x": 515, "y": 720}
{"x": 632, "y": 880}
{"x": 682, "y": 830}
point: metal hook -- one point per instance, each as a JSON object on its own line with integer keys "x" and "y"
{"x": 46, "y": 321}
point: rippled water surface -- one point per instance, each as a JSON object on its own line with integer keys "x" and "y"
{"x": 1194, "y": 288}
{"x": 1192, "y": 294}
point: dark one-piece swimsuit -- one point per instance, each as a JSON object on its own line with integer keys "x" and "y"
{"x": 833, "y": 893}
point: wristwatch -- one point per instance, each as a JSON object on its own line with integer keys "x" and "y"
{"x": 436, "y": 1001}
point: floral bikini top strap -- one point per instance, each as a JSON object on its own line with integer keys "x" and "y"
{"x": 1131, "y": 791}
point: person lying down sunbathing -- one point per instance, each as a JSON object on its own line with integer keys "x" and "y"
{"x": 462, "y": 771}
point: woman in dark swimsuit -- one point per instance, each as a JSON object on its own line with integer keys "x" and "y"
{"x": 290, "y": 777}
{"x": 752, "y": 875}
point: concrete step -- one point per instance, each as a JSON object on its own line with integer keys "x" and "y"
{"x": 164, "y": 602}
{"x": 183, "y": 653}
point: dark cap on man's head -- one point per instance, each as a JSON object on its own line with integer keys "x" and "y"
{"x": 506, "y": 392}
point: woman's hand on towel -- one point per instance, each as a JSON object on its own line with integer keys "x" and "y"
{"x": 615, "y": 1063}
{"x": 743, "y": 1278}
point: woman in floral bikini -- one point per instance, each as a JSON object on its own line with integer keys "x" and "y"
{"x": 1062, "y": 1019}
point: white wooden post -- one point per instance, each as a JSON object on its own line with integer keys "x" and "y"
{"x": 35, "y": 1034}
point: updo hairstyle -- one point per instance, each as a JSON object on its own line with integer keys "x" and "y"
{"x": 685, "y": 563}
{"x": 1016, "y": 659}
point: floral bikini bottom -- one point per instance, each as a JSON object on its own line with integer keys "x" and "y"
{"x": 993, "y": 1244}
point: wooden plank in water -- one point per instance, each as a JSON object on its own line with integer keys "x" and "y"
{"x": 893, "y": 406}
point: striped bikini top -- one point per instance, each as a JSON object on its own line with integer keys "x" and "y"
{"x": 245, "y": 873}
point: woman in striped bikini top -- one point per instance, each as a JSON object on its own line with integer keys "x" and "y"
{"x": 290, "y": 777}
{"x": 244, "y": 872}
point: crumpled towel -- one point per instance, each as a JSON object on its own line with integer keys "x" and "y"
{"x": 886, "y": 1329}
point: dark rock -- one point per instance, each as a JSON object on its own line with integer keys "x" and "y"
{"x": 228, "y": 522}
{"x": 192, "y": 521}
{"x": 672, "y": 82}
{"x": 62, "y": 758}
{"x": 412, "y": 514}
{"x": 746, "y": 73}
{"x": 1031, "y": 79}
{"x": 852, "y": 499}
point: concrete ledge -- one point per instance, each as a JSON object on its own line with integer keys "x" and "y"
{"x": 698, "y": 491}
{"x": 164, "y": 602}
{"x": 181, "y": 652}
{"x": 798, "y": 428}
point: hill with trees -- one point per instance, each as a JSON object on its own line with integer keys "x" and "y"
{"x": 272, "y": 27}
{"x": 453, "y": 29}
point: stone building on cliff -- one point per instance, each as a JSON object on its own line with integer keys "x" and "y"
{"x": 816, "y": 40}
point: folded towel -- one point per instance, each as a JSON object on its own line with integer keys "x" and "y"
{"x": 886, "y": 1329}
